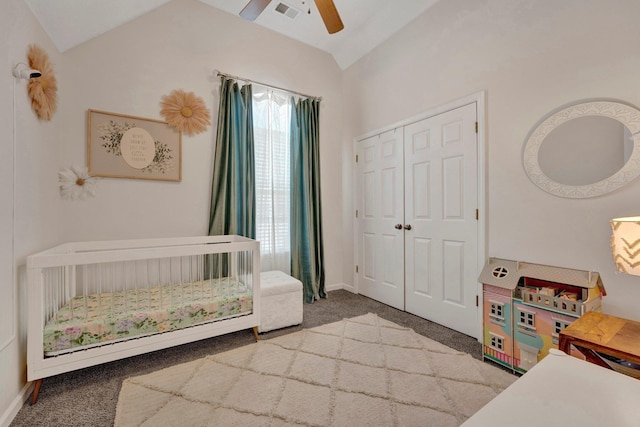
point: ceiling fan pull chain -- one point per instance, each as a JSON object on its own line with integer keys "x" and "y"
{"x": 308, "y": 8}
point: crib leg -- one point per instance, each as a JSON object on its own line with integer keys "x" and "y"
{"x": 255, "y": 332}
{"x": 36, "y": 391}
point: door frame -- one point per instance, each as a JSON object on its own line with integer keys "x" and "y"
{"x": 480, "y": 99}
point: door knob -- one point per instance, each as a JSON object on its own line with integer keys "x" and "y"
{"x": 398, "y": 226}
{"x": 407, "y": 227}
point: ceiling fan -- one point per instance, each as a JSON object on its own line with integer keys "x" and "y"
{"x": 327, "y": 10}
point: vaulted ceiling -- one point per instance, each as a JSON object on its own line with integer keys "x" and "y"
{"x": 367, "y": 22}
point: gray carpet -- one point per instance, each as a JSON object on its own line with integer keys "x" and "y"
{"x": 88, "y": 397}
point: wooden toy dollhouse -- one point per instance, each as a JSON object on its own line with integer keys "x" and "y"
{"x": 525, "y": 306}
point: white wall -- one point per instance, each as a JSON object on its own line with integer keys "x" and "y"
{"x": 178, "y": 46}
{"x": 531, "y": 56}
{"x": 35, "y": 207}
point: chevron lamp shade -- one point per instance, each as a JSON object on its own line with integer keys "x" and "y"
{"x": 625, "y": 244}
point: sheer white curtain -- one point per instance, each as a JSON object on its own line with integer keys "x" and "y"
{"x": 272, "y": 123}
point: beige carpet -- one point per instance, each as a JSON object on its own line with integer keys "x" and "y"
{"x": 356, "y": 372}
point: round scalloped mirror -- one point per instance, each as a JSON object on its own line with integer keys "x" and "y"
{"x": 585, "y": 150}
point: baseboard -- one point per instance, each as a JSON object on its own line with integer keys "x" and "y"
{"x": 338, "y": 286}
{"x": 16, "y": 405}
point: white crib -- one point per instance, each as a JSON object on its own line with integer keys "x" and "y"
{"x": 93, "y": 302}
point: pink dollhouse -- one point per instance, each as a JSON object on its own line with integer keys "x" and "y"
{"x": 525, "y": 306}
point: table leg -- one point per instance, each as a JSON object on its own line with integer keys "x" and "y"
{"x": 564, "y": 344}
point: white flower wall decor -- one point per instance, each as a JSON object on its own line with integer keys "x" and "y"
{"x": 76, "y": 184}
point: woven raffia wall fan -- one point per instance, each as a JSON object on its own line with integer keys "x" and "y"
{"x": 43, "y": 90}
{"x": 327, "y": 10}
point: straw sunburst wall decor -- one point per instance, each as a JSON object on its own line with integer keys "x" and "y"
{"x": 185, "y": 111}
{"x": 43, "y": 90}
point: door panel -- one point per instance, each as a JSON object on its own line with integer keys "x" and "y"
{"x": 454, "y": 272}
{"x": 453, "y": 191}
{"x": 369, "y": 249}
{"x": 421, "y": 262}
{"x": 390, "y": 180}
{"x": 421, "y": 202}
{"x": 370, "y": 191}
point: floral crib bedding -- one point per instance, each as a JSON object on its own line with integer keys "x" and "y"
{"x": 93, "y": 320}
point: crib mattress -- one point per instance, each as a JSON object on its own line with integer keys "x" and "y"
{"x": 92, "y": 320}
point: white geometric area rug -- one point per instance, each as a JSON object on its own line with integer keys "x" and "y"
{"x": 363, "y": 371}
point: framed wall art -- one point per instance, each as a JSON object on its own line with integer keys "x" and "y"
{"x": 121, "y": 146}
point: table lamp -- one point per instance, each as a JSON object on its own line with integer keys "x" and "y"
{"x": 625, "y": 244}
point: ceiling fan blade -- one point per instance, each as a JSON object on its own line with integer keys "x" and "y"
{"x": 329, "y": 15}
{"x": 253, "y": 9}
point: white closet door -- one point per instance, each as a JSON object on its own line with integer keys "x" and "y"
{"x": 380, "y": 208}
{"x": 441, "y": 192}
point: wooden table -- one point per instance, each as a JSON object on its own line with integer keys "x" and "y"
{"x": 597, "y": 332}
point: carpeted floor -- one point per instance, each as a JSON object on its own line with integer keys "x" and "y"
{"x": 88, "y": 397}
{"x": 361, "y": 371}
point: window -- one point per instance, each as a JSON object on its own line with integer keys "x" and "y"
{"x": 272, "y": 122}
{"x": 527, "y": 321}
{"x": 497, "y": 342}
{"x": 500, "y": 272}
{"x": 496, "y": 313}
{"x": 558, "y": 326}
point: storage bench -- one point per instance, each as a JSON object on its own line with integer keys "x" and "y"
{"x": 280, "y": 301}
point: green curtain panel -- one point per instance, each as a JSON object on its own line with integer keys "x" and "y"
{"x": 233, "y": 199}
{"x": 307, "y": 252}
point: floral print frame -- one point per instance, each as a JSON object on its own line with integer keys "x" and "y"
{"x": 122, "y": 146}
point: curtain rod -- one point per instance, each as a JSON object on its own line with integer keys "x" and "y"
{"x": 220, "y": 73}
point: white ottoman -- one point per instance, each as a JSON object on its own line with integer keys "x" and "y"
{"x": 280, "y": 301}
